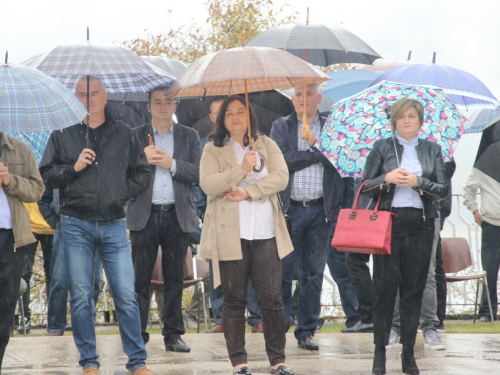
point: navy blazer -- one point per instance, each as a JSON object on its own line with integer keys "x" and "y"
{"x": 338, "y": 192}
{"x": 187, "y": 155}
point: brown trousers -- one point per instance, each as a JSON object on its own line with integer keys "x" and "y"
{"x": 261, "y": 263}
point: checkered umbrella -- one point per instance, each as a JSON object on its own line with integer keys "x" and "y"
{"x": 120, "y": 69}
{"x": 259, "y": 68}
{"x": 31, "y": 101}
{"x": 36, "y": 141}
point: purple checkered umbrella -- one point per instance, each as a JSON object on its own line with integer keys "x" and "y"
{"x": 120, "y": 69}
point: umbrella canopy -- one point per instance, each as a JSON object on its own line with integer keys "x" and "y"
{"x": 119, "y": 69}
{"x": 171, "y": 66}
{"x": 268, "y": 106}
{"x": 347, "y": 83}
{"x": 324, "y": 45}
{"x": 357, "y": 122}
{"x": 383, "y": 65}
{"x": 31, "y": 101}
{"x": 480, "y": 118}
{"x": 236, "y": 70}
{"x": 36, "y": 141}
{"x": 488, "y": 152}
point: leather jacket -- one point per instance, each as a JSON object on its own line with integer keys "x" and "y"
{"x": 432, "y": 185}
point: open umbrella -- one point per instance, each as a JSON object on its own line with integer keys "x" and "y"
{"x": 323, "y": 45}
{"x": 171, "y": 66}
{"x": 383, "y": 65}
{"x": 488, "y": 152}
{"x": 347, "y": 83}
{"x": 36, "y": 141}
{"x": 357, "y": 122}
{"x": 31, "y": 101}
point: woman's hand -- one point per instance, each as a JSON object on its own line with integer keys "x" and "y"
{"x": 237, "y": 195}
{"x": 401, "y": 177}
{"x": 249, "y": 162}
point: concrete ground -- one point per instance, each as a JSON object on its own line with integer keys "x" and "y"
{"x": 347, "y": 354}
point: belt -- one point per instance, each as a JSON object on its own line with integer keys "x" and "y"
{"x": 308, "y": 203}
{"x": 164, "y": 207}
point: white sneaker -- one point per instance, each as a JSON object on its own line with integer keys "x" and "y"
{"x": 433, "y": 341}
{"x": 393, "y": 339}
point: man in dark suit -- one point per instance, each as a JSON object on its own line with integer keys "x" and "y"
{"x": 165, "y": 213}
{"x": 312, "y": 199}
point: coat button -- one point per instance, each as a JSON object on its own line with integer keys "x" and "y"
{"x": 222, "y": 227}
{"x": 222, "y": 209}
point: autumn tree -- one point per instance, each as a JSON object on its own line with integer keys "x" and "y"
{"x": 226, "y": 21}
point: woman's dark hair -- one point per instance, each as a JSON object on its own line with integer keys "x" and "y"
{"x": 220, "y": 133}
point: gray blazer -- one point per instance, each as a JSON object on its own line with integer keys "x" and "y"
{"x": 187, "y": 154}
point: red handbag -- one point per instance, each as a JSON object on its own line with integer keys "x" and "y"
{"x": 363, "y": 231}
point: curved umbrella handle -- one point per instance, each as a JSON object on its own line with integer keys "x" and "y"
{"x": 255, "y": 169}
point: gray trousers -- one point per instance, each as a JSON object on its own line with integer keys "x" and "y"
{"x": 428, "y": 317}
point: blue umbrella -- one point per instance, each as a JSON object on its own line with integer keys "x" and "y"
{"x": 36, "y": 141}
{"x": 31, "y": 101}
{"x": 348, "y": 83}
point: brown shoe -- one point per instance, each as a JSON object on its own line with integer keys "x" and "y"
{"x": 90, "y": 371}
{"x": 257, "y": 328}
{"x": 143, "y": 371}
{"x": 53, "y": 333}
{"x": 216, "y": 329}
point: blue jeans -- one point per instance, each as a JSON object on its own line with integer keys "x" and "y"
{"x": 338, "y": 269}
{"x": 311, "y": 245}
{"x": 216, "y": 300}
{"x": 58, "y": 294}
{"x": 82, "y": 239}
{"x": 490, "y": 260}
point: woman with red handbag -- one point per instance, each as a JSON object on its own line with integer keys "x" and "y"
{"x": 409, "y": 174}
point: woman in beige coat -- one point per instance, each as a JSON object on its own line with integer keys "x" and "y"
{"x": 244, "y": 232}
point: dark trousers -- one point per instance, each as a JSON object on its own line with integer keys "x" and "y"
{"x": 407, "y": 268}
{"x": 441, "y": 284}
{"x": 11, "y": 265}
{"x": 162, "y": 229}
{"x": 311, "y": 242}
{"x": 29, "y": 260}
{"x": 361, "y": 280}
{"x": 262, "y": 265}
{"x": 490, "y": 260}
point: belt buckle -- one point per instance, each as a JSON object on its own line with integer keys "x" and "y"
{"x": 165, "y": 207}
{"x": 304, "y": 204}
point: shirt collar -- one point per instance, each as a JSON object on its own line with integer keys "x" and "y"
{"x": 299, "y": 118}
{"x": 413, "y": 142}
{"x": 170, "y": 131}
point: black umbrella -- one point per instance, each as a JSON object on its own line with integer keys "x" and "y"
{"x": 488, "y": 152}
{"x": 268, "y": 106}
{"x": 317, "y": 44}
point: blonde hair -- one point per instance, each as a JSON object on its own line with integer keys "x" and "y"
{"x": 401, "y": 106}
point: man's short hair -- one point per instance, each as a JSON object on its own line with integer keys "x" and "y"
{"x": 314, "y": 85}
{"x": 90, "y": 78}
{"x": 217, "y": 99}
{"x": 154, "y": 89}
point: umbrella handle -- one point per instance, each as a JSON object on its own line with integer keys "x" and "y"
{"x": 257, "y": 170}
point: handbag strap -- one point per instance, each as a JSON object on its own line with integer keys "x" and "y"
{"x": 356, "y": 201}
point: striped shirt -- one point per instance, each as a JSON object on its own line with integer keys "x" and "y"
{"x": 308, "y": 182}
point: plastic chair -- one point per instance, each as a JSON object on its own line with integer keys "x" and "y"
{"x": 457, "y": 257}
{"x": 189, "y": 270}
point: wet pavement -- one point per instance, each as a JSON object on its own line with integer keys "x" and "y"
{"x": 349, "y": 354}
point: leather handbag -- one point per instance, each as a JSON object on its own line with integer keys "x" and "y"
{"x": 363, "y": 231}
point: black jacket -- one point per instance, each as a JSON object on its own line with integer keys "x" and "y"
{"x": 337, "y": 192}
{"x": 432, "y": 185}
{"x": 49, "y": 207}
{"x": 100, "y": 191}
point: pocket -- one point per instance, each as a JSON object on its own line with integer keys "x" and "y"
{"x": 65, "y": 218}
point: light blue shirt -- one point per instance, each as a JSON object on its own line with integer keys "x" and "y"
{"x": 163, "y": 187}
{"x": 407, "y": 196}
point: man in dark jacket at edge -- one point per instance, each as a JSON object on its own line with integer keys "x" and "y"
{"x": 96, "y": 177}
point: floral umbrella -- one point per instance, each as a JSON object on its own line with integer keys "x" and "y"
{"x": 355, "y": 123}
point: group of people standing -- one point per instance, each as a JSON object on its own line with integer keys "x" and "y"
{"x": 111, "y": 178}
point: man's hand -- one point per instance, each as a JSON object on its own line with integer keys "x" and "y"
{"x": 311, "y": 138}
{"x": 158, "y": 157}
{"x": 249, "y": 162}
{"x": 237, "y": 195}
{"x": 4, "y": 174}
{"x": 87, "y": 156}
{"x": 478, "y": 218}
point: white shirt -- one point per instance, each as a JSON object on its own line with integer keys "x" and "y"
{"x": 5, "y": 214}
{"x": 256, "y": 217}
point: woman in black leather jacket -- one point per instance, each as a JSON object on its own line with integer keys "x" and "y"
{"x": 409, "y": 173}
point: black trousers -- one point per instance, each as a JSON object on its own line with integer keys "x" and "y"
{"x": 361, "y": 280}
{"x": 11, "y": 265}
{"x": 261, "y": 263}
{"x": 162, "y": 229}
{"x": 406, "y": 268}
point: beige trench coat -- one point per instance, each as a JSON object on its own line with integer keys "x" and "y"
{"x": 219, "y": 172}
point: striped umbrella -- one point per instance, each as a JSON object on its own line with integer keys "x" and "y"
{"x": 31, "y": 101}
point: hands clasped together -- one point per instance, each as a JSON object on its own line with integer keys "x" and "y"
{"x": 158, "y": 157}
{"x": 401, "y": 177}
{"x": 249, "y": 162}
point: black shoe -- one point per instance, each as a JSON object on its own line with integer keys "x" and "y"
{"x": 379, "y": 361}
{"x": 408, "y": 364}
{"x": 359, "y": 328}
{"x": 282, "y": 370}
{"x": 68, "y": 328}
{"x": 27, "y": 326}
{"x": 177, "y": 345}
{"x": 244, "y": 371}
{"x": 307, "y": 342}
